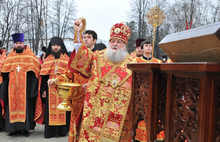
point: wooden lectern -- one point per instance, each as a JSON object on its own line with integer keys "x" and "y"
{"x": 183, "y": 97}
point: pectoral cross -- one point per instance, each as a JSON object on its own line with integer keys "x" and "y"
{"x": 55, "y": 70}
{"x": 18, "y": 68}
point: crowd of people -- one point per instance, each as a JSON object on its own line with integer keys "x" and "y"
{"x": 28, "y": 93}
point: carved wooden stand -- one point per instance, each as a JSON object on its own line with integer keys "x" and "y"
{"x": 148, "y": 98}
{"x": 192, "y": 97}
{"x": 192, "y": 101}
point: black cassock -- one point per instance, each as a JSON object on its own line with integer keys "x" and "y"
{"x": 31, "y": 94}
{"x": 52, "y": 131}
{"x": 2, "y": 120}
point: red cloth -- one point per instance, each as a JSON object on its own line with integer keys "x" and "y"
{"x": 41, "y": 62}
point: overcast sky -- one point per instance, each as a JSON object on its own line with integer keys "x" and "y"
{"x": 102, "y": 14}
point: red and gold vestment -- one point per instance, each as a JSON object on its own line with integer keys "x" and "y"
{"x": 17, "y": 65}
{"x": 69, "y": 76}
{"x": 56, "y": 117}
{"x": 152, "y": 60}
{"x": 2, "y": 59}
{"x": 134, "y": 53}
{"x": 105, "y": 114}
{"x": 77, "y": 101}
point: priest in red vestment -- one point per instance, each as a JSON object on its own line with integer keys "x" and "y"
{"x": 2, "y": 59}
{"x": 19, "y": 88}
{"x": 56, "y": 121}
{"x": 105, "y": 114}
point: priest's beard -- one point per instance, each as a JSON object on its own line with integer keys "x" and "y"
{"x": 19, "y": 49}
{"x": 116, "y": 56}
{"x": 57, "y": 54}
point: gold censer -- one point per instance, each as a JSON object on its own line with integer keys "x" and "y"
{"x": 66, "y": 90}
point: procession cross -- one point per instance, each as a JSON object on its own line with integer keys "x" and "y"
{"x": 18, "y": 68}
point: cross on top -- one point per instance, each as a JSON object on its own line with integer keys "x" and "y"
{"x": 18, "y": 68}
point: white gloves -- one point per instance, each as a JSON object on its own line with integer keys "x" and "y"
{"x": 77, "y": 46}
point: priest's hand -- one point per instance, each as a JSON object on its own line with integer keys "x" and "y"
{"x": 51, "y": 82}
{"x": 78, "y": 25}
{"x": 44, "y": 94}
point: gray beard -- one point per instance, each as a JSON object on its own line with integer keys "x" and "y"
{"x": 116, "y": 56}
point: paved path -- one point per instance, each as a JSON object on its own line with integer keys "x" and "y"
{"x": 35, "y": 136}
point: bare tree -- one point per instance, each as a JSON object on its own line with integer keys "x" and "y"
{"x": 177, "y": 12}
{"x": 36, "y": 20}
{"x": 8, "y": 13}
{"x": 62, "y": 16}
{"x": 138, "y": 13}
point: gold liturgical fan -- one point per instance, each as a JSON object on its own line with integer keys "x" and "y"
{"x": 155, "y": 18}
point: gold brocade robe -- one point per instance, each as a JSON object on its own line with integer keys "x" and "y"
{"x": 152, "y": 60}
{"x": 134, "y": 53}
{"x": 106, "y": 114}
{"x": 56, "y": 117}
{"x": 17, "y": 65}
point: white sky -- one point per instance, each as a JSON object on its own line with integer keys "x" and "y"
{"x": 102, "y": 14}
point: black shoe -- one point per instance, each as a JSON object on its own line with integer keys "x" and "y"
{"x": 26, "y": 133}
{"x": 15, "y": 133}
